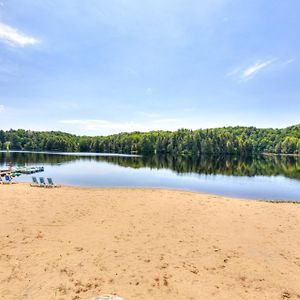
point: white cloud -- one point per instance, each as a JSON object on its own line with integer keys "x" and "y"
{"x": 257, "y": 67}
{"x": 287, "y": 62}
{"x": 14, "y": 37}
{"x": 247, "y": 73}
{"x": 234, "y": 71}
{"x": 1, "y": 108}
{"x": 108, "y": 127}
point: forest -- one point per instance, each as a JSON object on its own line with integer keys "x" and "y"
{"x": 226, "y": 140}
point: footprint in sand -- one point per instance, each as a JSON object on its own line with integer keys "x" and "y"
{"x": 285, "y": 295}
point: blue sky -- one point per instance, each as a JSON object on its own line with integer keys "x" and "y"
{"x": 99, "y": 67}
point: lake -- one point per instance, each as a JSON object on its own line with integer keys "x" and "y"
{"x": 263, "y": 177}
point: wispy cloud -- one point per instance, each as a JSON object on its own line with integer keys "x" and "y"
{"x": 1, "y": 108}
{"x": 255, "y": 68}
{"x": 287, "y": 62}
{"x": 246, "y": 73}
{"x": 234, "y": 71}
{"x": 14, "y": 37}
{"x": 104, "y": 126}
{"x": 110, "y": 127}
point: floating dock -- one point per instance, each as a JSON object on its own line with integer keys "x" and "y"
{"x": 16, "y": 171}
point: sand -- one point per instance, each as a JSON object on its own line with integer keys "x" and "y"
{"x": 76, "y": 243}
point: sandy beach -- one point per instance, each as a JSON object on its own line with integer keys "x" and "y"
{"x": 145, "y": 244}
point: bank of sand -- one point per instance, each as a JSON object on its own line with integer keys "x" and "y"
{"x": 74, "y": 243}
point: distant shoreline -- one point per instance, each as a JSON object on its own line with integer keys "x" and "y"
{"x": 280, "y": 154}
{"x": 141, "y": 155}
{"x": 238, "y": 140}
{"x": 72, "y": 153}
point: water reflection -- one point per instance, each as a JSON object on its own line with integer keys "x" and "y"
{"x": 288, "y": 166}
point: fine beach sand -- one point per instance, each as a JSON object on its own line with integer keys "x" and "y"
{"x": 76, "y": 243}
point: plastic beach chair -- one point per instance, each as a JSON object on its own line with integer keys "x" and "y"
{"x": 51, "y": 183}
{"x": 42, "y": 182}
{"x": 35, "y": 182}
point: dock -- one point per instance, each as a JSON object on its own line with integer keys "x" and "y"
{"x": 16, "y": 171}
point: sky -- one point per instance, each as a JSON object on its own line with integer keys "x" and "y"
{"x": 99, "y": 67}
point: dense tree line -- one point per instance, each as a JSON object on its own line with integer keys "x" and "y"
{"x": 227, "y": 140}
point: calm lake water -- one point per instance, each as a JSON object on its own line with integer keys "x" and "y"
{"x": 265, "y": 177}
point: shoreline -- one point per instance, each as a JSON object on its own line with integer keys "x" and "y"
{"x": 231, "y": 197}
{"x": 280, "y": 154}
{"x": 75, "y": 243}
{"x": 141, "y": 155}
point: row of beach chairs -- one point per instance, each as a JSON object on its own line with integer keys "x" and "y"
{"x": 42, "y": 182}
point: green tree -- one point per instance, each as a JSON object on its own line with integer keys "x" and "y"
{"x": 289, "y": 145}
